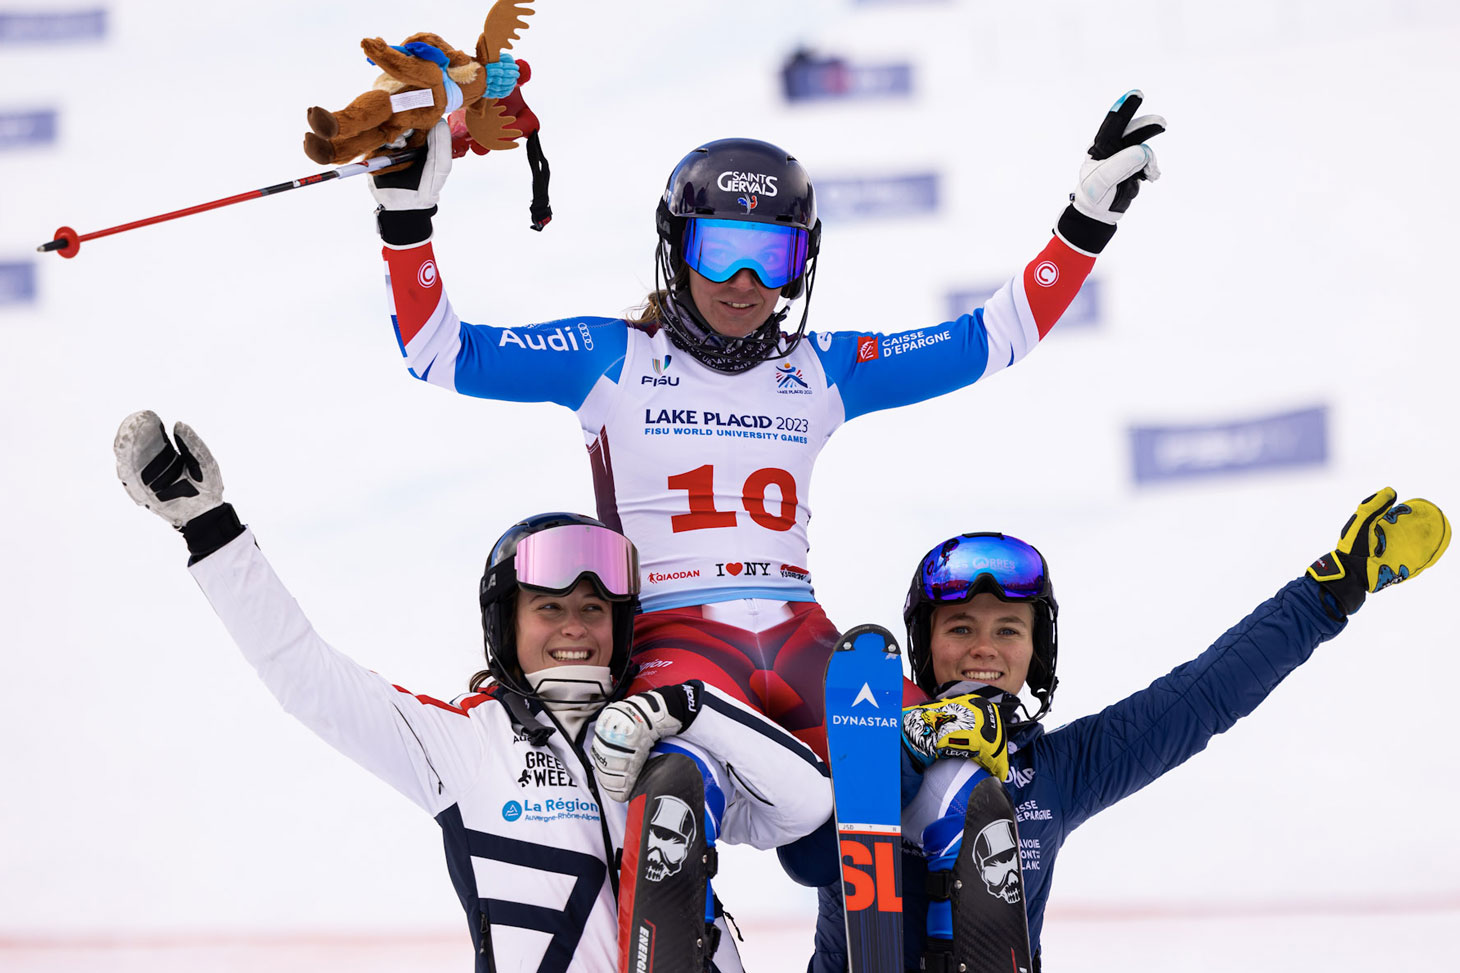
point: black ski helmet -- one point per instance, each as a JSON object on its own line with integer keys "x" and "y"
{"x": 497, "y": 596}
{"x": 917, "y": 613}
{"x": 748, "y": 181}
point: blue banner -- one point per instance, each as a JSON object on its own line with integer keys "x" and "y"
{"x": 1285, "y": 440}
{"x": 22, "y": 128}
{"x": 807, "y": 77}
{"x": 51, "y": 28}
{"x": 877, "y": 196}
{"x": 1083, "y": 312}
{"x": 17, "y": 283}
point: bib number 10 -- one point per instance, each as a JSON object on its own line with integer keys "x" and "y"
{"x": 700, "y": 484}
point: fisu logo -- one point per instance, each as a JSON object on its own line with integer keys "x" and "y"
{"x": 660, "y": 367}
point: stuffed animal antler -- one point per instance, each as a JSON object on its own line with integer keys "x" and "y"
{"x": 489, "y": 122}
{"x": 423, "y": 80}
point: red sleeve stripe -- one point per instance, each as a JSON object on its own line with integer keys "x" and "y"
{"x": 472, "y": 702}
{"x": 415, "y": 288}
{"x": 429, "y": 701}
{"x": 1052, "y": 279}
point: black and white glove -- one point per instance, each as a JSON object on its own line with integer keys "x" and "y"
{"x": 1111, "y": 175}
{"x": 408, "y": 196}
{"x": 627, "y": 730}
{"x": 181, "y": 484}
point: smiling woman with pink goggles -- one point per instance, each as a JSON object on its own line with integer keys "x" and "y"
{"x": 533, "y": 826}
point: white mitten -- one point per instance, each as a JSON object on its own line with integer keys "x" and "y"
{"x": 176, "y": 483}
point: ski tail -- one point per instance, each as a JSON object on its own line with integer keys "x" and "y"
{"x": 664, "y": 877}
{"x": 864, "y": 737}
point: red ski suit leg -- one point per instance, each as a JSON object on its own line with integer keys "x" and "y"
{"x": 778, "y": 671}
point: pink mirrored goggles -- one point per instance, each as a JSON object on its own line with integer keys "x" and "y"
{"x": 557, "y": 558}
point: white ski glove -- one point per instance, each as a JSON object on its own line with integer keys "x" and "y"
{"x": 1118, "y": 160}
{"x": 627, "y": 731}
{"x": 418, "y": 185}
{"x": 178, "y": 484}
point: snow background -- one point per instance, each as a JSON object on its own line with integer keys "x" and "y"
{"x": 160, "y": 811}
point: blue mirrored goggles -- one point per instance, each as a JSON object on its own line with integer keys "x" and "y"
{"x": 954, "y": 572}
{"x": 719, "y": 249}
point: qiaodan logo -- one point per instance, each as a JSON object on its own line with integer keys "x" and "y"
{"x": 511, "y": 811}
{"x": 747, "y": 182}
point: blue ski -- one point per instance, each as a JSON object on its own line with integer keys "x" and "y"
{"x": 863, "y": 741}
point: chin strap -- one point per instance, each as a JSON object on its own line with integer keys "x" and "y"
{"x": 522, "y": 714}
{"x": 707, "y": 346}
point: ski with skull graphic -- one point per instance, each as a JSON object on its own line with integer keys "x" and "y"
{"x": 863, "y": 743}
{"x": 667, "y": 866}
{"x": 976, "y": 909}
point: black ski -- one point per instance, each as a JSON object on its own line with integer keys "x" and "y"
{"x": 667, "y": 866}
{"x": 985, "y": 889}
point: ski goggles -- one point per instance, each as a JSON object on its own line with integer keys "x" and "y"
{"x": 719, "y": 249}
{"x": 555, "y": 559}
{"x": 955, "y": 572}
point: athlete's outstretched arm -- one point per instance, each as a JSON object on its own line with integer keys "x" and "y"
{"x": 423, "y": 748}
{"x": 1124, "y": 747}
{"x": 873, "y": 371}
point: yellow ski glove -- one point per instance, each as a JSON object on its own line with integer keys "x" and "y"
{"x": 1383, "y": 543}
{"x": 970, "y": 727}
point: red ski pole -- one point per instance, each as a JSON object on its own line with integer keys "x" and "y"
{"x": 68, "y": 242}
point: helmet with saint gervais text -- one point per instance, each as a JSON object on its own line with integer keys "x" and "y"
{"x": 764, "y": 191}
{"x": 741, "y": 179}
{"x": 970, "y": 564}
{"x": 552, "y": 552}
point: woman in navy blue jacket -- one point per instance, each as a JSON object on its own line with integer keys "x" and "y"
{"x": 982, "y": 618}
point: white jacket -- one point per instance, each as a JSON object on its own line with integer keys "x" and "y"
{"x": 529, "y": 844}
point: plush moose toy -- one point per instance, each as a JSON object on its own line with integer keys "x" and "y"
{"x": 424, "y": 80}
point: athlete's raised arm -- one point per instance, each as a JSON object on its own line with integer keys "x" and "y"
{"x": 875, "y": 371}
{"x": 559, "y": 361}
{"x": 423, "y": 748}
